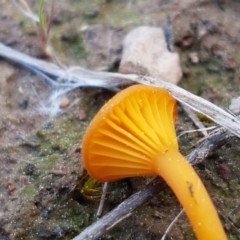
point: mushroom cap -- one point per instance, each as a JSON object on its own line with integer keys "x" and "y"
{"x": 132, "y": 129}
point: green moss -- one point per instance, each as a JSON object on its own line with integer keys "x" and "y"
{"x": 28, "y": 26}
{"x": 50, "y": 162}
{"x": 59, "y": 141}
{"x": 75, "y": 46}
{"x": 189, "y": 234}
{"x": 206, "y": 76}
{"x": 35, "y": 178}
{"x": 166, "y": 197}
{"x": 110, "y": 14}
{"x": 232, "y": 237}
{"x": 29, "y": 192}
{"x": 72, "y": 216}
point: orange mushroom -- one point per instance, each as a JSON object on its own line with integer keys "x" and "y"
{"x": 134, "y": 135}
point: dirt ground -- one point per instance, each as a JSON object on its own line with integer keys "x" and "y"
{"x": 42, "y": 180}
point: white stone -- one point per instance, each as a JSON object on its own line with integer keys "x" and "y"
{"x": 235, "y": 105}
{"x": 145, "y": 52}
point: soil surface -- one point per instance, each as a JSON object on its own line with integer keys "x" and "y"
{"x": 43, "y": 186}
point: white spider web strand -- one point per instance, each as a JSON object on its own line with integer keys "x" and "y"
{"x": 82, "y": 77}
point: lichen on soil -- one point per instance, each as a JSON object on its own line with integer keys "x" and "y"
{"x": 41, "y": 173}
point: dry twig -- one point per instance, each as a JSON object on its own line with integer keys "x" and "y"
{"x": 172, "y": 224}
{"x": 191, "y": 114}
{"x": 102, "y": 200}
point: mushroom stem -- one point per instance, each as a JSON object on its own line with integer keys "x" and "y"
{"x": 191, "y": 193}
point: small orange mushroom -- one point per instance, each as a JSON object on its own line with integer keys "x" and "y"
{"x": 134, "y": 135}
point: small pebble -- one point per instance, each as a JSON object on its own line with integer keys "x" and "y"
{"x": 156, "y": 61}
{"x": 157, "y": 214}
{"x": 47, "y": 125}
{"x": 235, "y": 105}
{"x": 65, "y": 103}
{"x": 194, "y": 58}
{"x": 187, "y": 41}
{"x": 82, "y": 115}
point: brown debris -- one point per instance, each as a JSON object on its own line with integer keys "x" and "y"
{"x": 10, "y": 187}
{"x": 224, "y": 171}
{"x": 65, "y": 103}
{"x": 82, "y": 115}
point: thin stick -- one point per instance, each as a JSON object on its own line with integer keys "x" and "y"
{"x": 102, "y": 200}
{"x": 197, "y": 130}
{"x": 119, "y": 220}
{"x": 213, "y": 142}
{"x": 171, "y": 225}
{"x": 191, "y": 114}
